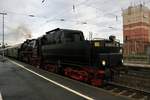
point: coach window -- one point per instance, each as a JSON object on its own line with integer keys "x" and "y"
{"x": 78, "y": 37}
{"x": 68, "y": 37}
{"x": 58, "y": 37}
{"x": 34, "y": 44}
{"x": 62, "y": 37}
{"x": 44, "y": 40}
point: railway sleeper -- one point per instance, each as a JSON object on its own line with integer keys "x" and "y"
{"x": 126, "y": 91}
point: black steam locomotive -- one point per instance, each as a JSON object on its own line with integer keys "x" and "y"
{"x": 66, "y": 52}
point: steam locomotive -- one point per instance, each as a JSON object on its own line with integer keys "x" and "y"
{"x": 66, "y": 52}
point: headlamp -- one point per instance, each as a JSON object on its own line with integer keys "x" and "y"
{"x": 103, "y": 62}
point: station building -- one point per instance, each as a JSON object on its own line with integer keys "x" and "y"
{"x": 136, "y": 29}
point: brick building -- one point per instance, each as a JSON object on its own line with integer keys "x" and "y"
{"x": 136, "y": 29}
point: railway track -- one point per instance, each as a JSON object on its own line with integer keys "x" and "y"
{"x": 137, "y": 69}
{"x": 128, "y": 92}
{"x": 131, "y": 81}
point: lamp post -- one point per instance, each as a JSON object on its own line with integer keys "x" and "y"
{"x": 3, "y": 46}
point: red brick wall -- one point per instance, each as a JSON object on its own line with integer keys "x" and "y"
{"x": 136, "y": 34}
{"x": 134, "y": 47}
{"x": 135, "y": 38}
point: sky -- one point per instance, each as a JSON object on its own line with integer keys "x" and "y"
{"x": 32, "y": 18}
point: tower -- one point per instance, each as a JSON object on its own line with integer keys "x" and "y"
{"x": 136, "y": 29}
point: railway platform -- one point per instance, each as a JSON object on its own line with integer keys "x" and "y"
{"x": 20, "y": 81}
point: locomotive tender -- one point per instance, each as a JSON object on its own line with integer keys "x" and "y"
{"x": 65, "y": 51}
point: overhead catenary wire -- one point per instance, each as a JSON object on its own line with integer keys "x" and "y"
{"x": 52, "y": 18}
{"x": 76, "y": 7}
{"x": 47, "y": 19}
{"x": 97, "y": 16}
{"x": 65, "y": 11}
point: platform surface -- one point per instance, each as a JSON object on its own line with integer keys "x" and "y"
{"x": 18, "y": 83}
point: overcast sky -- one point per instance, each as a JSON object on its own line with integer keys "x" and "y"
{"x": 32, "y": 18}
